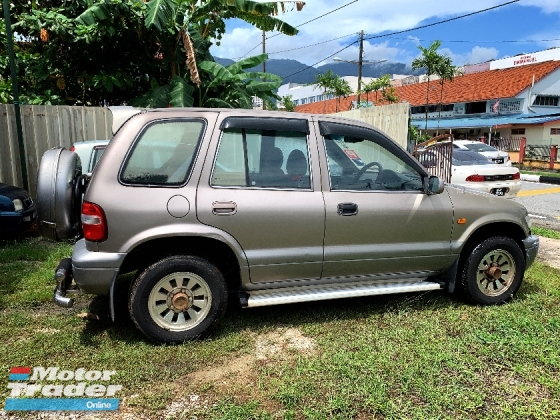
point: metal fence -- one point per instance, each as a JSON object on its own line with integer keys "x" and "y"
{"x": 45, "y": 127}
{"x": 538, "y": 152}
{"x": 507, "y": 144}
{"x": 437, "y": 159}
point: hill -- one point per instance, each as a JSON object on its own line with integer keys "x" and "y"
{"x": 292, "y": 71}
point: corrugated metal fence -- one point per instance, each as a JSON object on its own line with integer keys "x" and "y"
{"x": 45, "y": 127}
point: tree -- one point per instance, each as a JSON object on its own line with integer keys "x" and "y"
{"x": 446, "y": 71}
{"x": 340, "y": 88}
{"x": 375, "y": 85}
{"x": 288, "y": 103}
{"x": 109, "y": 51}
{"x": 429, "y": 61}
{"x": 390, "y": 95}
{"x": 325, "y": 81}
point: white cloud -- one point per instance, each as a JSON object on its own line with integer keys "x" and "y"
{"x": 374, "y": 18}
{"x": 549, "y": 6}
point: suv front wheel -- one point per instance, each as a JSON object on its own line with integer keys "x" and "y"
{"x": 493, "y": 271}
{"x": 178, "y": 298}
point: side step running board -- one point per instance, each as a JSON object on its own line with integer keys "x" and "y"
{"x": 335, "y": 291}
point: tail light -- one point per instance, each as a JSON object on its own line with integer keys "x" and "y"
{"x": 94, "y": 222}
{"x": 516, "y": 175}
{"x": 475, "y": 178}
{"x": 72, "y": 149}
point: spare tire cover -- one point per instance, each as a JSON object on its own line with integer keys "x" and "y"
{"x": 59, "y": 194}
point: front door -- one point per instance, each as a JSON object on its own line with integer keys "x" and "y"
{"x": 378, "y": 219}
{"x": 260, "y": 188}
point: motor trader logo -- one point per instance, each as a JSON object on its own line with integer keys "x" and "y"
{"x": 51, "y": 388}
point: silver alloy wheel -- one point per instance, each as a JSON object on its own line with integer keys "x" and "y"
{"x": 179, "y": 301}
{"x": 495, "y": 273}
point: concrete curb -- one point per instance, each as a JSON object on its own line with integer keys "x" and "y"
{"x": 540, "y": 178}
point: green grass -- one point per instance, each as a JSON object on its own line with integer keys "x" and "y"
{"x": 404, "y": 356}
{"x": 545, "y": 232}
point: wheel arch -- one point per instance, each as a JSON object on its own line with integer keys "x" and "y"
{"x": 481, "y": 233}
{"x": 508, "y": 229}
{"x": 213, "y": 250}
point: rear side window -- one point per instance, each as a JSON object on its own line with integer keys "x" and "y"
{"x": 256, "y": 158}
{"x": 164, "y": 153}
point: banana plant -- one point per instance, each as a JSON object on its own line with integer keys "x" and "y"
{"x": 183, "y": 30}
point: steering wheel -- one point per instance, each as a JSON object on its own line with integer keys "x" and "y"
{"x": 362, "y": 171}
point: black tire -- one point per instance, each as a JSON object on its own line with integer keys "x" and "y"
{"x": 492, "y": 272}
{"x": 59, "y": 194}
{"x": 177, "y": 299}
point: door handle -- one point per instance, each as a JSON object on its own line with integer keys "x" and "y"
{"x": 347, "y": 209}
{"x": 224, "y": 208}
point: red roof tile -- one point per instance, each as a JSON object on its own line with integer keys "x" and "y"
{"x": 483, "y": 86}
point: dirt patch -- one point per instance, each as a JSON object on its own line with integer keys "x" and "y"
{"x": 549, "y": 251}
{"x": 281, "y": 344}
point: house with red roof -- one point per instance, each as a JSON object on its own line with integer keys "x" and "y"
{"x": 513, "y": 97}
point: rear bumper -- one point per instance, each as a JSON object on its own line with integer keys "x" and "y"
{"x": 92, "y": 272}
{"x": 531, "y": 245}
{"x": 511, "y": 187}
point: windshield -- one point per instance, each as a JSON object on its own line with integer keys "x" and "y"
{"x": 464, "y": 157}
{"x": 479, "y": 147}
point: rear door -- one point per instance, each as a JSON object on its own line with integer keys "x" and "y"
{"x": 261, "y": 185}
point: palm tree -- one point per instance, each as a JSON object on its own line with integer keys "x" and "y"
{"x": 288, "y": 103}
{"x": 429, "y": 61}
{"x": 390, "y": 95}
{"x": 446, "y": 71}
{"x": 340, "y": 88}
{"x": 326, "y": 82}
{"x": 380, "y": 84}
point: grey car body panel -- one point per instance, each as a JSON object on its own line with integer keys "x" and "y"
{"x": 94, "y": 271}
{"x": 141, "y": 212}
{"x": 473, "y": 206}
{"x": 393, "y": 232}
{"x": 268, "y": 219}
{"x": 284, "y": 237}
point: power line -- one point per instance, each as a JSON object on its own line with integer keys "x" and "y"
{"x": 326, "y": 58}
{"x": 479, "y": 42}
{"x": 301, "y": 24}
{"x": 443, "y": 21}
{"x": 407, "y": 30}
{"x": 311, "y": 45}
{"x": 318, "y": 17}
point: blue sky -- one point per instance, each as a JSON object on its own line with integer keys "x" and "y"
{"x": 520, "y": 27}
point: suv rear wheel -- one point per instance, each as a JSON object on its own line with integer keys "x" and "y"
{"x": 493, "y": 271}
{"x": 177, "y": 299}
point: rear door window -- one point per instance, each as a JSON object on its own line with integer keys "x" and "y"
{"x": 262, "y": 159}
{"x": 164, "y": 153}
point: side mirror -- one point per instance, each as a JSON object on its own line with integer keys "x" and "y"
{"x": 435, "y": 185}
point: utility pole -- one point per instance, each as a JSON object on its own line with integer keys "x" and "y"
{"x": 360, "y": 63}
{"x": 264, "y": 62}
{"x": 13, "y": 75}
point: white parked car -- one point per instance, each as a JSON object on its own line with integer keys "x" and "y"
{"x": 494, "y": 155}
{"x": 473, "y": 170}
{"x": 90, "y": 151}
